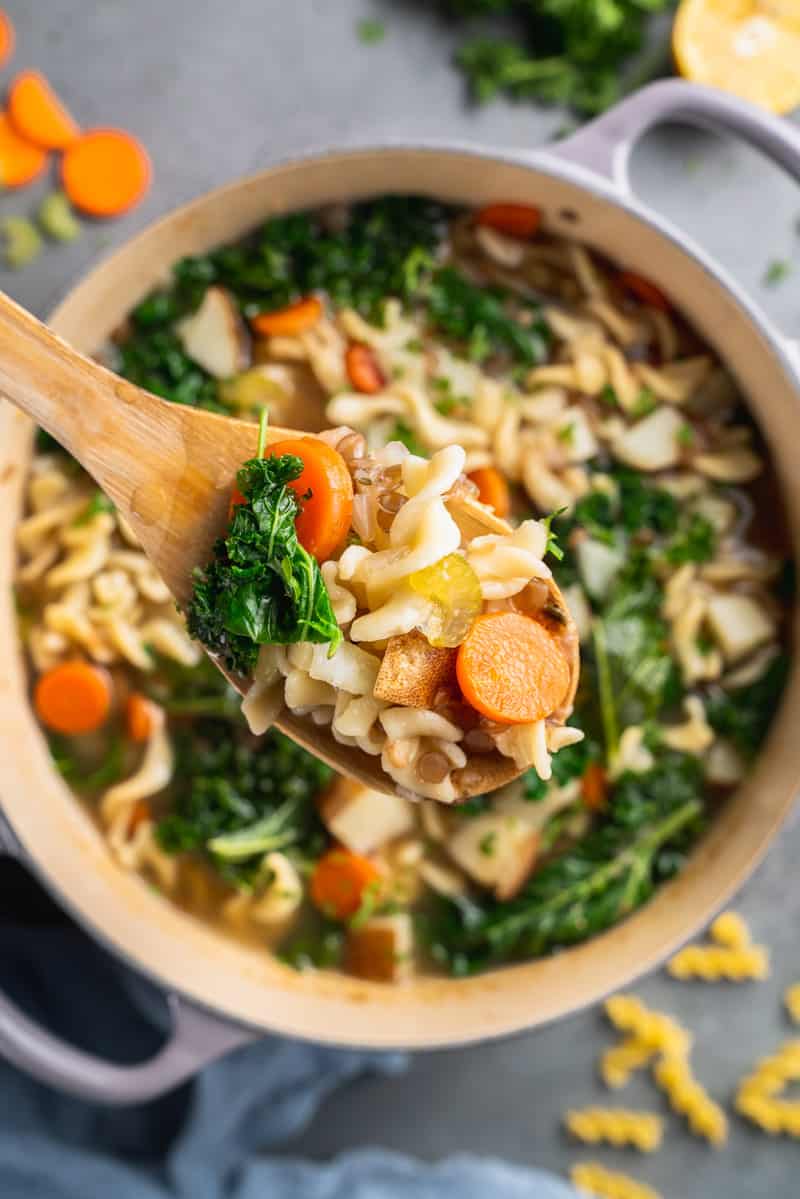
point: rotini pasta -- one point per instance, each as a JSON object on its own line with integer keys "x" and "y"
{"x": 619, "y": 1062}
{"x": 715, "y": 963}
{"x": 591, "y": 1178}
{"x": 616, "y": 1126}
{"x": 655, "y": 1030}
{"x": 731, "y": 930}
{"x": 791, "y": 999}
{"x": 688, "y": 1097}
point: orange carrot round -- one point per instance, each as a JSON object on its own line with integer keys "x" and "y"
{"x": 594, "y": 787}
{"x": 105, "y": 172}
{"x": 141, "y": 717}
{"x": 363, "y": 370}
{"x": 339, "y": 881}
{"x": 511, "y": 669}
{"x": 8, "y": 38}
{"x": 38, "y": 114}
{"x": 20, "y": 160}
{"x": 73, "y": 698}
{"x": 492, "y": 489}
{"x": 515, "y": 220}
{"x": 324, "y": 518}
{"x": 288, "y": 322}
{"x": 644, "y": 290}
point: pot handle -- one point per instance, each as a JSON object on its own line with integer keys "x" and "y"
{"x": 605, "y": 145}
{"x": 196, "y": 1038}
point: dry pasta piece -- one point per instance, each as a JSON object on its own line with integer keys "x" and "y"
{"x": 619, "y": 1062}
{"x": 772, "y": 1073}
{"x": 731, "y": 930}
{"x": 791, "y": 998}
{"x": 717, "y": 963}
{"x": 658, "y": 1031}
{"x": 688, "y": 1097}
{"x": 617, "y": 1126}
{"x": 591, "y": 1178}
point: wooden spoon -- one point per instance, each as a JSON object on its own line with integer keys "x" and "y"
{"x": 170, "y": 470}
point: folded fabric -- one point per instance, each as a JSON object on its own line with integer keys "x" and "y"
{"x": 210, "y": 1139}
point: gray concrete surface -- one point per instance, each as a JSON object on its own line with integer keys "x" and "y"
{"x": 218, "y": 89}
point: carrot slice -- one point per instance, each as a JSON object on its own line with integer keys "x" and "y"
{"x": 325, "y": 515}
{"x": 515, "y": 220}
{"x": 644, "y": 290}
{"x": 141, "y": 717}
{"x": 492, "y": 489}
{"x": 105, "y": 172}
{"x": 594, "y": 787}
{"x": 288, "y": 322}
{"x": 363, "y": 370}
{"x": 511, "y": 669}
{"x": 38, "y": 114}
{"x": 20, "y": 160}
{"x": 8, "y": 38}
{"x": 339, "y": 881}
{"x": 73, "y": 698}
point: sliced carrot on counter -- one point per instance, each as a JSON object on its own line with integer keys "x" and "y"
{"x": 594, "y": 787}
{"x": 492, "y": 489}
{"x": 73, "y": 698}
{"x": 339, "y": 881}
{"x": 363, "y": 370}
{"x": 515, "y": 220}
{"x": 644, "y": 290}
{"x": 290, "y": 321}
{"x": 8, "y": 38}
{"x": 142, "y": 717}
{"x": 324, "y": 518}
{"x": 20, "y": 160}
{"x": 105, "y": 172}
{"x": 511, "y": 669}
{"x": 38, "y": 114}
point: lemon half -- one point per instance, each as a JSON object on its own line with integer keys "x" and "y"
{"x": 748, "y": 47}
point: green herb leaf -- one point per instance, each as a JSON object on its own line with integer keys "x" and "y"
{"x": 370, "y": 31}
{"x": 261, "y": 587}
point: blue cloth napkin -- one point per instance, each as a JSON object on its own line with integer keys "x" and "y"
{"x": 211, "y": 1139}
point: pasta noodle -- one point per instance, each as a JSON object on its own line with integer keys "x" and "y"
{"x": 619, "y": 1062}
{"x": 730, "y": 929}
{"x": 591, "y": 1178}
{"x": 656, "y": 1030}
{"x": 714, "y": 963}
{"x": 757, "y": 1097}
{"x": 791, "y": 998}
{"x": 617, "y": 1126}
{"x": 689, "y": 1098}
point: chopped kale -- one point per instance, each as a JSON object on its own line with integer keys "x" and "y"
{"x": 744, "y": 714}
{"x": 261, "y": 587}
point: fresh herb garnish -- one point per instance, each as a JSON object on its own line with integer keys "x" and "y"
{"x": 261, "y": 587}
{"x": 370, "y": 31}
{"x": 776, "y": 272}
{"x": 97, "y": 504}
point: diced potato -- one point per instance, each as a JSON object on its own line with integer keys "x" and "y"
{"x": 215, "y": 337}
{"x": 599, "y": 565}
{"x": 723, "y": 764}
{"x": 381, "y": 950}
{"x": 412, "y": 671}
{"x": 739, "y": 624}
{"x": 652, "y": 443}
{"x": 362, "y": 819}
{"x": 497, "y": 850}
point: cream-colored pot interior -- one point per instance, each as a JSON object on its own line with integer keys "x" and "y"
{"x": 182, "y": 953}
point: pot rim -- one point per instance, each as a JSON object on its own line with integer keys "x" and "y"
{"x": 543, "y": 163}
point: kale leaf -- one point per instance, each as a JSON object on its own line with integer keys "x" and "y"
{"x": 479, "y": 317}
{"x": 261, "y": 587}
{"x": 606, "y": 875}
{"x": 225, "y": 785}
{"x": 744, "y": 714}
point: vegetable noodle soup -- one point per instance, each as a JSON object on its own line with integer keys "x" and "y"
{"x": 581, "y": 399}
